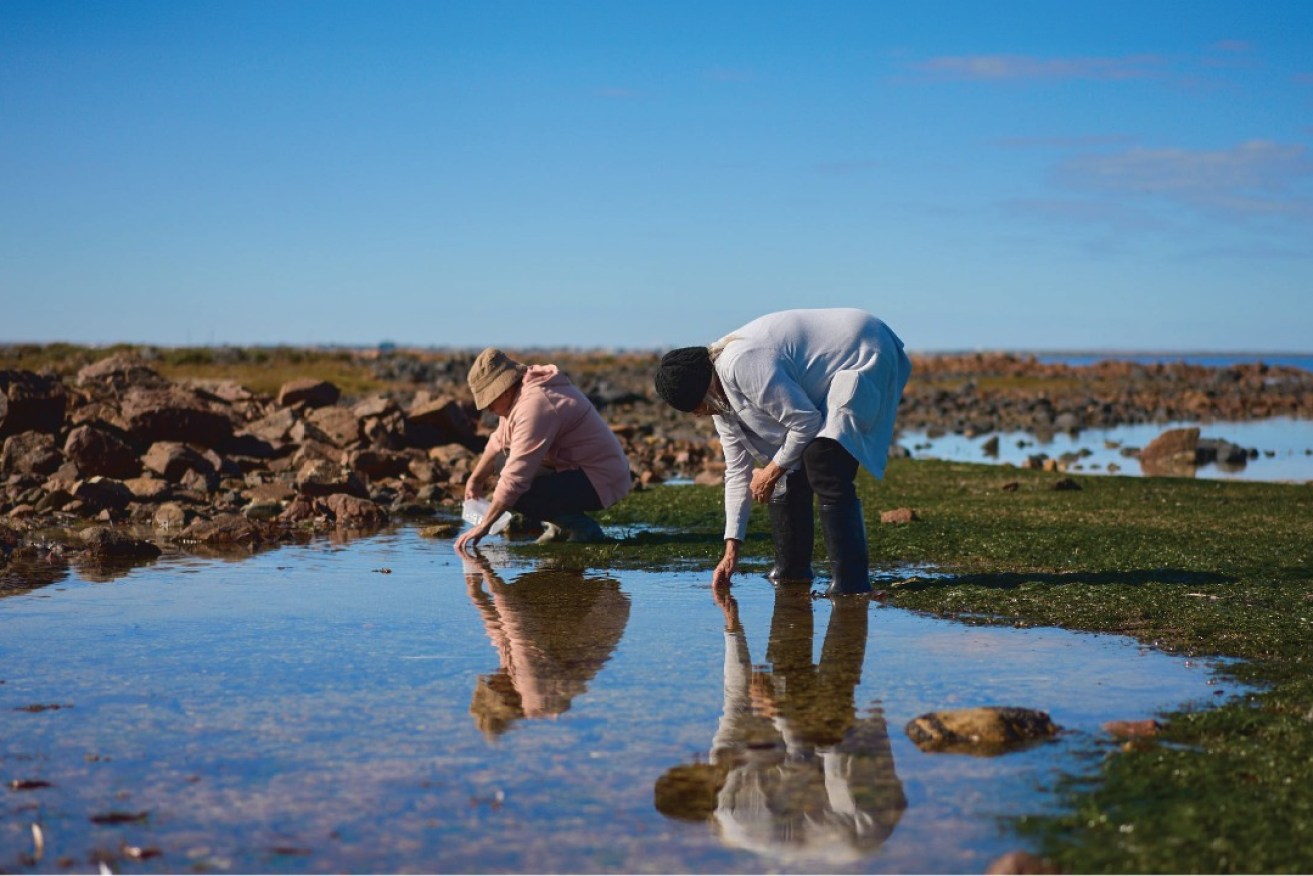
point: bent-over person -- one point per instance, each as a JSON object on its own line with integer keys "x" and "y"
{"x": 809, "y": 396}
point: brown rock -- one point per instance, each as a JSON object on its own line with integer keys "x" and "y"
{"x": 980, "y": 731}
{"x": 274, "y": 491}
{"x": 319, "y": 477}
{"x": 104, "y": 541}
{"x": 174, "y": 414}
{"x": 147, "y": 488}
{"x": 354, "y": 512}
{"x": 1021, "y": 864}
{"x": 97, "y": 450}
{"x": 172, "y": 517}
{"x": 440, "y": 421}
{"x": 274, "y": 427}
{"x": 101, "y": 493}
{"x": 224, "y": 529}
{"x": 118, "y": 372}
{"x": 899, "y": 516}
{"x": 30, "y": 453}
{"x": 308, "y": 392}
{"x": 1171, "y": 454}
{"x": 30, "y": 402}
{"x": 1133, "y": 729}
{"x": 337, "y": 424}
{"x": 173, "y": 460}
{"x": 375, "y": 464}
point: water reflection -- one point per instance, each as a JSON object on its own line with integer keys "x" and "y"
{"x": 553, "y": 629}
{"x": 794, "y": 774}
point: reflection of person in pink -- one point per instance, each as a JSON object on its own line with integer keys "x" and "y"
{"x": 793, "y": 773}
{"x": 553, "y": 629}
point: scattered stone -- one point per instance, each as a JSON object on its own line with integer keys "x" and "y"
{"x": 319, "y": 477}
{"x": 1133, "y": 729}
{"x": 224, "y": 529}
{"x": 1021, "y": 864}
{"x": 174, "y": 414}
{"x": 446, "y": 529}
{"x": 30, "y": 452}
{"x": 308, "y": 392}
{"x": 1171, "y": 454}
{"x": 118, "y": 372}
{"x": 980, "y": 731}
{"x": 899, "y": 516}
{"x": 105, "y": 542}
{"x": 353, "y": 512}
{"x": 101, "y": 493}
{"x": 172, "y": 517}
{"x": 173, "y": 460}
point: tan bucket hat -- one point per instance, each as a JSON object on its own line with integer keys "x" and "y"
{"x": 492, "y": 373}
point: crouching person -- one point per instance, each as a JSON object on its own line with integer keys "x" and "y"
{"x": 809, "y": 396}
{"x": 561, "y": 459}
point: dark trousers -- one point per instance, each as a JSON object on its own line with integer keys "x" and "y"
{"x": 828, "y": 471}
{"x": 559, "y": 494}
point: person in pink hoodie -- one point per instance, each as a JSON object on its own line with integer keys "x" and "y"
{"x": 561, "y": 459}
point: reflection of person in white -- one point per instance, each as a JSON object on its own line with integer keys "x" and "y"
{"x": 553, "y": 629}
{"x": 793, "y": 774}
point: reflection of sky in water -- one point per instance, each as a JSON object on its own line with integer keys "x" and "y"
{"x": 304, "y": 711}
{"x": 1289, "y": 442}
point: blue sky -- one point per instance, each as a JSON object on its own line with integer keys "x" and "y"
{"x": 982, "y": 175}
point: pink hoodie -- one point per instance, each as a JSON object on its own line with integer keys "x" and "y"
{"x": 554, "y": 425}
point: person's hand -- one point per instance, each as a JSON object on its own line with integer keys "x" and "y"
{"x": 474, "y": 488}
{"x": 764, "y": 480}
{"x": 728, "y": 565}
{"x": 468, "y": 539}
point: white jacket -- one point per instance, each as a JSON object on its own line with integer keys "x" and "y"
{"x": 797, "y": 375}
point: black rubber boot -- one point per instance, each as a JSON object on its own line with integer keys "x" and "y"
{"x": 792, "y": 531}
{"x": 844, "y": 530}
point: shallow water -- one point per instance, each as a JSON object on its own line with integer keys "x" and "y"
{"x": 1284, "y": 445}
{"x": 381, "y": 706}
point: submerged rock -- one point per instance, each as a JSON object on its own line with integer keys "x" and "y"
{"x": 987, "y": 730}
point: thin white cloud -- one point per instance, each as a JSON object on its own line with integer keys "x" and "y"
{"x": 1254, "y": 177}
{"x": 996, "y": 68}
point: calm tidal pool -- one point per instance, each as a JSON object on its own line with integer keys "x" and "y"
{"x": 381, "y": 706}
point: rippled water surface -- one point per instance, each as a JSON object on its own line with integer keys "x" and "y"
{"x": 380, "y": 706}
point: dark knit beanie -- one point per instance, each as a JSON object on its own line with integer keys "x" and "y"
{"x": 683, "y": 377}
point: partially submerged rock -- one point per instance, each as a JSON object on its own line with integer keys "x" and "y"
{"x": 987, "y": 730}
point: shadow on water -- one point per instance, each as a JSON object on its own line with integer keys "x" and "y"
{"x": 794, "y": 774}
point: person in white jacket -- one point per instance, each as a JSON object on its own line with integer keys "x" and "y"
{"x": 809, "y": 396}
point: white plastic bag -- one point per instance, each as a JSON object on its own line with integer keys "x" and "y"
{"x": 474, "y": 510}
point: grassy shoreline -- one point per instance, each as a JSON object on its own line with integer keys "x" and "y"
{"x": 1191, "y": 566}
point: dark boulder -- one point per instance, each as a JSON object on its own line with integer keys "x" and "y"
{"x": 308, "y": 392}
{"x": 30, "y": 402}
{"x": 174, "y": 414}
{"x": 30, "y": 453}
{"x": 105, "y": 541}
{"x": 97, "y": 449}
